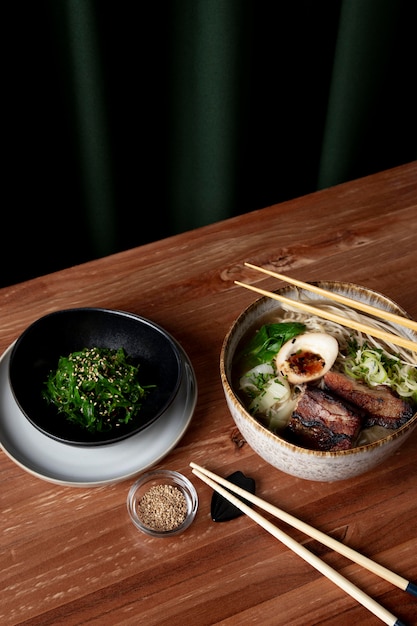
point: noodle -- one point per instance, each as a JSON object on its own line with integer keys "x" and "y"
{"x": 344, "y": 335}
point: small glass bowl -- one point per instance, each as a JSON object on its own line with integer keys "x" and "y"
{"x": 167, "y": 493}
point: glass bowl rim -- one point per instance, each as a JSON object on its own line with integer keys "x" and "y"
{"x": 163, "y": 476}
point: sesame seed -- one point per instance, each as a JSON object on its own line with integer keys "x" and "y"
{"x": 162, "y": 508}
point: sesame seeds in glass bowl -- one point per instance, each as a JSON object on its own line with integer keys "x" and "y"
{"x": 162, "y": 503}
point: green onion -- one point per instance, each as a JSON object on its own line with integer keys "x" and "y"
{"x": 376, "y": 367}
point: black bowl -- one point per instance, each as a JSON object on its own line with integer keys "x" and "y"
{"x": 36, "y": 352}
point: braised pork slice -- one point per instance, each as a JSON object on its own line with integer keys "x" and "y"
{"x": 382, "y": 406}
{"x": 321, "y": 421}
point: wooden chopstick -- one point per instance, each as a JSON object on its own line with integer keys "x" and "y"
{"x": 213, "y": 481}
{"x": 364, "y": 328}
{"x": 336, "y": 297}
{"x": 335, "y": 545}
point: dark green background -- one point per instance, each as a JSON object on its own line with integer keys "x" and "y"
{"x": 125, "y": 122}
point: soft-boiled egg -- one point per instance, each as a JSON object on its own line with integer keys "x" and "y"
{"x": 306, "y": 357}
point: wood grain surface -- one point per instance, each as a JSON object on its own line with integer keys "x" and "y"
{"x": 70, "y": 555}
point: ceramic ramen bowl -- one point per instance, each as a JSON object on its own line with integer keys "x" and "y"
{"x": 289, "y": 458}
{"x": 38, "y": 349}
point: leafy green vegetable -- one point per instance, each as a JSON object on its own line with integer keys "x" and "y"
{"x": 267, "y": 342}
{"x": 96, "y": 388}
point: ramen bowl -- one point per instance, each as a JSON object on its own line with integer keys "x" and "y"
{"x": 302, "y": 462}
{"x": 147, "y": 347}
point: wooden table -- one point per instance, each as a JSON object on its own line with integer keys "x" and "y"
{"x": 70, "y": 555}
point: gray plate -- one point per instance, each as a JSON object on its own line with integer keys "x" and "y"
{"x": 61, "y": 463}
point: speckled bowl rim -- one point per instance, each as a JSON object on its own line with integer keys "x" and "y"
{"x": 383, "y": 302}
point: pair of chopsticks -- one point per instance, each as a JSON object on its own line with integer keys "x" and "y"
{"x": 339, "y": 319}
{"x": 224, "y": 487}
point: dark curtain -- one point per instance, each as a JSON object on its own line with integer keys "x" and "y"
{"x": 125, "y": 122}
